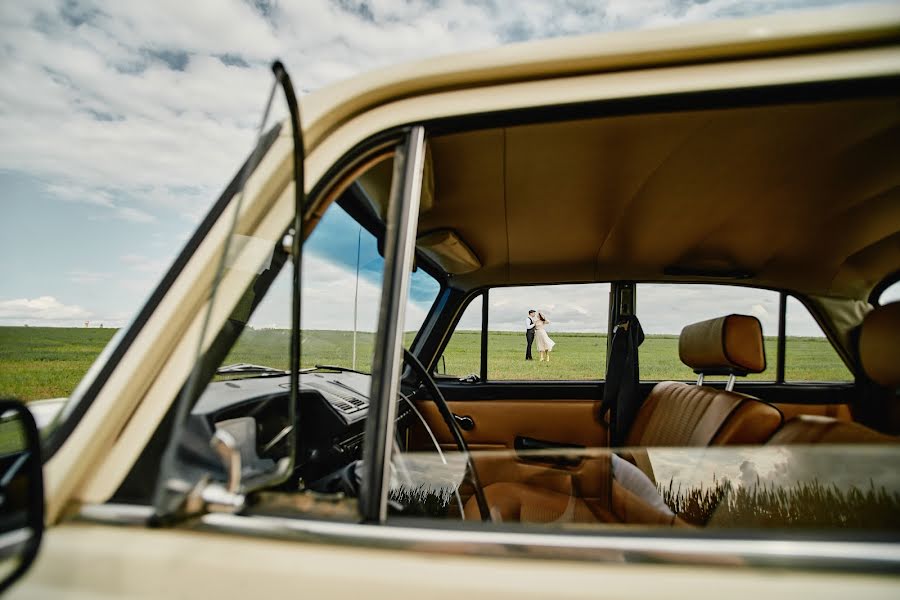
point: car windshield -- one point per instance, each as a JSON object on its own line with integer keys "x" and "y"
{"x": 342, "y": 281}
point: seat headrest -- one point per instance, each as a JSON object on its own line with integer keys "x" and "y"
{"x": 879, "y": 345}
{"x": 731, "y": 345}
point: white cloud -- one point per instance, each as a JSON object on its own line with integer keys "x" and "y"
{"x": 142, "y": 264}
{"x": 581, "y": 307}
{"x": 142, "y": 111}
{"x": 42, "y": 309}
{"x": 128, "y": 95}
{"x": 329, "y": 291}
{"x": 779, "y": 465}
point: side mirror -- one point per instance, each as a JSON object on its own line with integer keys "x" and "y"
{"x": 21, "y": 491}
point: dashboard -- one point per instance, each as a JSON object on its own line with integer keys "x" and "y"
{"x": 331, "y": 414}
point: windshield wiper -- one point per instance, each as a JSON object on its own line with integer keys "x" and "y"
{"x": 337, "y": 368}
{"x": 250, "y": 369}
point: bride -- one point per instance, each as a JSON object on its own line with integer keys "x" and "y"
{"x": 544, "y": 343}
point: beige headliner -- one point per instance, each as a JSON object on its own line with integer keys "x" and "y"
{"x": 804, "y": 197}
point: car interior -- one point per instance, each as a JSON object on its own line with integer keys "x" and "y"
{"x": 798, "y": 196}
{"x": 744, "y": 196}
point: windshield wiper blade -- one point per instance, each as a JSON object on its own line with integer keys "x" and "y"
{"x": 338, "y": 369}
{"x": 242, "y": 368}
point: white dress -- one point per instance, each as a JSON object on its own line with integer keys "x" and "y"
{"x": 544, "y": 343}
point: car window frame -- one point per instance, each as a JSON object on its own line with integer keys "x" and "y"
{"x": 464, "y": 304}
{"x": 781, "y": 334}
{"x": 420, "y": 533}
{"x": 826, "y": 332}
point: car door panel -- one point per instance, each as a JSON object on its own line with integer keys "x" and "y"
{"x": 499, "y": 422}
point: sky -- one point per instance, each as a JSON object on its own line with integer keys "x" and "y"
{"x": 120, "y": 124}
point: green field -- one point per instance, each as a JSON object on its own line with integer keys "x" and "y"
{"x": 48, "y": 362}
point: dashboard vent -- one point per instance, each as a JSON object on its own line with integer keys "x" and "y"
{"x": 347, "y": 404}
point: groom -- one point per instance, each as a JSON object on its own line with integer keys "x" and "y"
{"x": 529, "y": 333}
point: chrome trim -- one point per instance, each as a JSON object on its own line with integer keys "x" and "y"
{"x": 730, "y": 385}
{"x": 116, "y": 514}
{"x": 14, "y": 542}
{"x": 593, "y": 546}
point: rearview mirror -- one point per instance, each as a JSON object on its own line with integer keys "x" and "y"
{"x": 21, "y": 491}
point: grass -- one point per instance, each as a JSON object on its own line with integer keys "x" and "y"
{"x": 48, "y": 362}
{"x": 808, "y": 504}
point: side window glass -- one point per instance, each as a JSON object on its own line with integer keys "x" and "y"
{"x": 462, "y": 356}
{"x": 890, "y": 294}
{"x": 572, "y": 337}
{"x": 809, "y": 356}
{"x": 664, "y": 309}
{"x": 247, "y": 405}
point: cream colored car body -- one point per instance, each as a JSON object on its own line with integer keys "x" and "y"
{"x": 92, "y": 559}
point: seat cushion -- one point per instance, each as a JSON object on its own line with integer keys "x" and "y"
{"x": 807, "y": 429}
{"x": 679, "y": 414}
{"x": 524, "y": 503}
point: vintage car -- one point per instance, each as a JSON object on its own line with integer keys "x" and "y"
{"x": 748, "y": 167}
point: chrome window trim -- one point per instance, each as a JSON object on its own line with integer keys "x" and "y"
{"x": 592, "y": 546}
{"x": 13, "y": 542}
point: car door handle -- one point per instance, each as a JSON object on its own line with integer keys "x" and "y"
{"x": 465, "y": 422}
{"x": 542, "y": 451}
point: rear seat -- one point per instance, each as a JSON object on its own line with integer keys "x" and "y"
{"x": 674, "y": 414}
{"x": 879, "y": 353}
{"x": 681, "y": 414}
{"x": 808, "y": 429}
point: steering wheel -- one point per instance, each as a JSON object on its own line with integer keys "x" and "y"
{"x": 438, "y": 398}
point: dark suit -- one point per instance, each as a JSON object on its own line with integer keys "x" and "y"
{"x": 529, "y": 339}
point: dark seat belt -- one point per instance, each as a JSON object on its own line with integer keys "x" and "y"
{"x": 621, "y": 393}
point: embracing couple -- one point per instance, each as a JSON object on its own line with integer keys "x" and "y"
{"x": 534, "y": 328}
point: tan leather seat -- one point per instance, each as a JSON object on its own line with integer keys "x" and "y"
{"x": 879, "y": 345}
{"x": 586, "y": 494}
{"x": 879, "y": 353}
{"x": 809, "y": 429}
{"x": 680, "y": 414}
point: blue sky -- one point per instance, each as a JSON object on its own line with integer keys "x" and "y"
{"x": 120, "y": 123}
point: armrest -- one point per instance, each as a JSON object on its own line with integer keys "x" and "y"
{"x": 535, "y": 450}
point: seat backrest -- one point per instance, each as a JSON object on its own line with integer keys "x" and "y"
{"x": 879, "y": 345}
{"x": 680, "y": 414}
